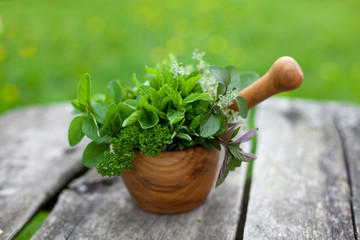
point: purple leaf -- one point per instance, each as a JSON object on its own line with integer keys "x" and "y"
{"x": 248, "y": 157}
{"x": 226, "y": 136}
{"x": 246, "y": 137}
{"x": 241, "y": 155}
{"x": 223, "y": 170}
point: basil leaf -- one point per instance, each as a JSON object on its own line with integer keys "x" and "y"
{"x": 247, "y": 78}
{"x": 175, "y": 116}
{"x": 235, "y": 78}
{"x": 84, "y": 91}
{"x": 94, "y": 153}
{"x": 75, "y": 133}
{"x": 220, "y": 74}
{"x": 91, "y": 129}
{"x": 210, "y": 124}
{"x": 242, "y": 106}
{"x": 224, "y": 171}
{"x": 148, "y": 119}
{"x": 221, "y": 88}
{"x": 241, "y": 155}
{"x": 113, "y": 93}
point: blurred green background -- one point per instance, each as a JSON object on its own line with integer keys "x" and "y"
{"x": 45, "y": 46}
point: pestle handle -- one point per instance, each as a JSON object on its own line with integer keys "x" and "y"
{"x": 284, "y": 75}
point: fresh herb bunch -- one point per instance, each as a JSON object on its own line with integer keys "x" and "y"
{"x": 174, "y": 108}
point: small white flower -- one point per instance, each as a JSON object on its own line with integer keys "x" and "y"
{"x": 197, "y": 55}
{"x": 178, "y": 69}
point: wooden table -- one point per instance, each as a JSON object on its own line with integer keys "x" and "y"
{"x": 305, "y": 182}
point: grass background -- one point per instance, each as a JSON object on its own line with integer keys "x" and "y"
{"x": 45, "y": 46}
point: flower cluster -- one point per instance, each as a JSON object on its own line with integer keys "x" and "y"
{"x": 207, "y": 82}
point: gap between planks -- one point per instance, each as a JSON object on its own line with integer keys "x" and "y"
{"x": 247, "y": 186}
{"x": 346, "y": 163}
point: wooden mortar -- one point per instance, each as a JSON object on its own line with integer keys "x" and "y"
{"x": 179, "y": 181}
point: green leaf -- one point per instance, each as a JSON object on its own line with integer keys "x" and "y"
{"x": 100, "y": 112}
{"x": 133, "y": 118}
{"x": 164, "y": 102}
{"x": 192, "y": 74}
{"x": 84, "y": 91}
{"x": 78, "y": 106}
{"x": 184, "y": 136}
{"x": 175, "y": 116}
{"x": 113, "y": 119}
{"x": 210, "y": 124}
{"x": 242, "y": 80}
{"x": 145, "y": 104}
{"x": 235, "y": 78}
{"x": 174, "y": 95}
{"x": 75, "y": 133}
{"x": 99, "y": 98}
{"x": 195, "y": 123}
{"x": 124, "y": 110}
{"x": 155, "y": 98}
{"x": 148, "y": 119}
{"x": 194, "y": 97}
{"x": 189, "y": 85}
{"x": 132, "y": 103}
{"x": 220, "y": 74}
{"x": 242, "y": 106}
{"x": 134, "y": 79}
{"x": 113, "y": 92}
{"x": 144, "y": 89}
{"x": 91, "y": 129}
{"x": 94, "y": 153}
{"x": 215, "y": 144}
{"x": 221, "y": 89}
{"x": 247, "y": 78}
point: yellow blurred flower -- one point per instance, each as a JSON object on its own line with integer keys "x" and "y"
{"x": 157, "y": 54}
{"x": 10, "y": 92}
{"x": 176, "y": 45}
{"x": 27, "y": 51}
{"x": 217, "y": 44}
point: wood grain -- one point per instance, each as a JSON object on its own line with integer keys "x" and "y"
{"x": 299, "y": 187}
{"x": 35, "y": 162}
{"x": 94, "y": 207}
{"x": 284, "y": 75}
{"x": 173, "y": 182}
{"x": 348, "y": 123}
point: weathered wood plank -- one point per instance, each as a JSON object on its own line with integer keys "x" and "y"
{"x": 348, "y": 123}
{"x": 299, "y": 188}
{"x": 101, "y": 208}
{"x": 35, "y": 162}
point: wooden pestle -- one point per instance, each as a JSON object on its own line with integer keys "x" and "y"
{"x": 284, "y": 75}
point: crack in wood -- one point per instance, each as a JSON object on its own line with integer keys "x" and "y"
{"x": 247, "y": 186}
{"x": 244, "y": 204}
{"x": 347, "y": 167}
